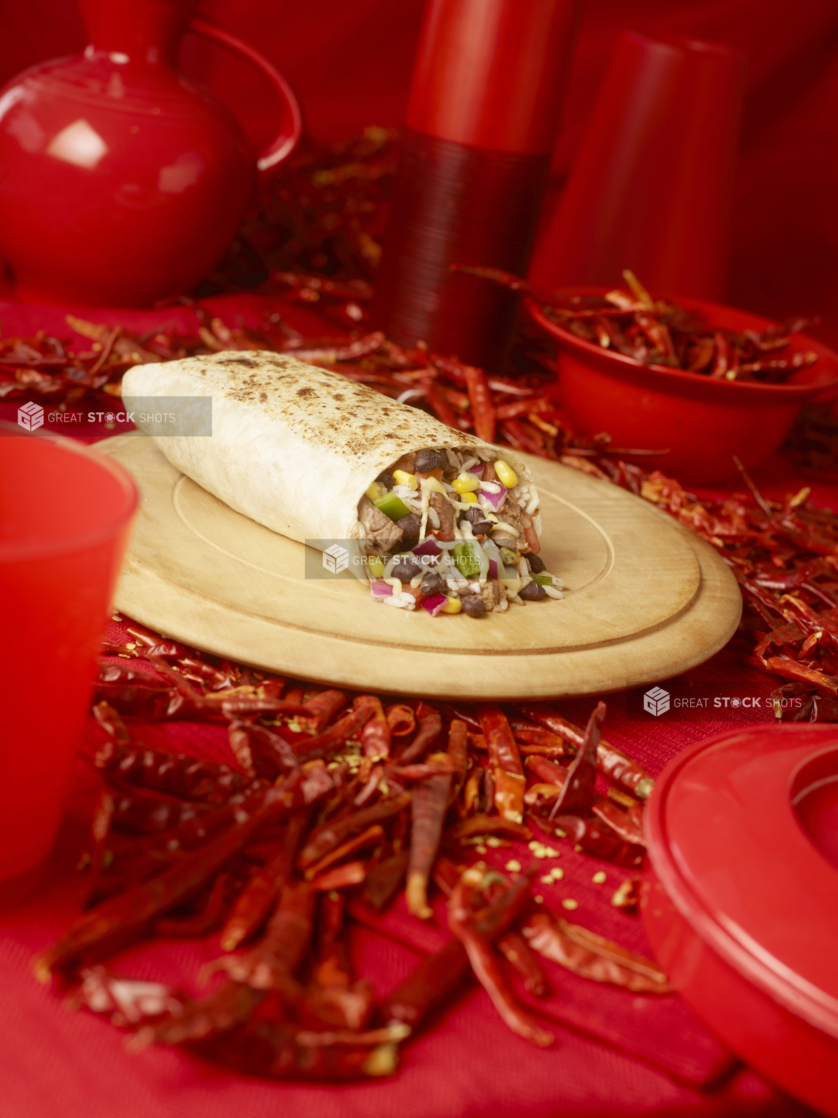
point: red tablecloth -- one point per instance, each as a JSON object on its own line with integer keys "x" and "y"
{"x": 616, "y": 1054}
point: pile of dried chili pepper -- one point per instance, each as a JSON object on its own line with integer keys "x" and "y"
{"x": 333, "y": 801}
{"x": 656, "y": 332}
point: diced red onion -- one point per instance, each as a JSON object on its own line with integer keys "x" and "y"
{"x": 494, "y": 499}
{"x": 429, "y": 547}
{"x": 380, "y": 590}
{"x": 434, "y": 605}
{"x": 493, "y": 569}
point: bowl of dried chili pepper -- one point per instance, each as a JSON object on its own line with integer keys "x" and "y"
{"x": 705, "y": 383}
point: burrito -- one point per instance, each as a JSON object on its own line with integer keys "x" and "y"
{"x": 430, "y": 517}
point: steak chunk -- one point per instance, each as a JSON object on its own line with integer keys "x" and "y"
{"x": 380, "y": 528}
{"x": 446, "y": 513}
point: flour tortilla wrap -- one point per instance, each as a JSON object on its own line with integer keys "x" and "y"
{"x": 295, "y": 447}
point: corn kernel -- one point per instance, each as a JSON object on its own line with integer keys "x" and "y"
{"x": 402, "y": 477}
{"x": 453, "y": 605}
{"x": 468, "y": 498}
{"x": 433, "y": 484}
{"x": 376, "y": 566}
{"x": 505, "y": 474}
{"x": 465, "y": 484}
{"x": 376, "y": 490}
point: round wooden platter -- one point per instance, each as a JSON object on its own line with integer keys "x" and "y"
{"x": 645, "y": 599}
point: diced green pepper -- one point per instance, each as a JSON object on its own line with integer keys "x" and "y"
{"x": 509, "y": 556}
{"x": 467, "y": 562}
{"x": 391, "y": 506}
{"x": 543, "y": 579}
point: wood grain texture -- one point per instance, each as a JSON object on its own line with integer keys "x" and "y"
{"x": 645, "y": 598}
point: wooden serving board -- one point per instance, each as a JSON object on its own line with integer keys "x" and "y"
{"x": 645, "y": 599}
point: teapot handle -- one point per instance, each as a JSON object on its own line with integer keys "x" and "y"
{"x": 284, "y": 143}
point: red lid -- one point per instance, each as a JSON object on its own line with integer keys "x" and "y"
{"x": 743, "y": 839}
{"x": 491, "y": 73}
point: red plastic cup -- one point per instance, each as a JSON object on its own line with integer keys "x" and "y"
{"x": 481, "y": 122}
{"x": 65, "y": 517}
{"x": 651, "y": 186}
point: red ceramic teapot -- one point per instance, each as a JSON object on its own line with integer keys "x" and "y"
{"x": 123, "y": 181}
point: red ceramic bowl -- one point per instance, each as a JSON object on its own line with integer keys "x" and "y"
{"x": 741, "y": 901}
{"x": 702, "y": 422}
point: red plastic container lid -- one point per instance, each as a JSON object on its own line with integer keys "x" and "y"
{"x": 743, "y": 838}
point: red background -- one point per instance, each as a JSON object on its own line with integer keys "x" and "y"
{"x": 350, "y": 62}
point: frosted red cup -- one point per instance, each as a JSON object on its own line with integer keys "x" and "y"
{"x": 651, "y": 186}
{"x": 65, "y": 516}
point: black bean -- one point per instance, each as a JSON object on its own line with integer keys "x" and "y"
{"x": 477, "y": 519}
{"x": 473, "y": 606}
{"x": 433, "y": 584}
{"x": 406, "y": 570}
{"x": 410, "y": 525}
{"x": 387, "y": 480}
{"x": 536, "y": 563}
{"x": 427, "y": 460}
{"x": 532, "y": 592}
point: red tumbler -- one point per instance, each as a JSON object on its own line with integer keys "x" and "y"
{"x": 65, "y": 515}
{"x": 651, "y": 186}
{"x": 481, "y": 121}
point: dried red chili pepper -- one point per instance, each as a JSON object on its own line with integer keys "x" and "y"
{"x": 271, "y": 964}
{"x": 485, "y": 963}
{"x": 505, "y": 760}
{"x": 627, "y": 825}
{"x": 610, "y": 761}
{"x": 488, "y": 825}
{"x": 265, "y": 1048}
{"x": 400, "y": 719}
{"x": 322, "y": 709}
{"x": 210, "y": 916}
{"x": 372, "y": 836}
{"x": 599, "y": 839}
{"x": 255, "y": 901}
{"x": 340, "y": 877}
{"x": 429, "y": 725}
{"x": 124, "y": 917}
{"x": 331, "y": 740}
{"x": 428, "y": 807}
{"x": 577, "y": 794}
{"x": 329, "y": 835}
{"x": 627, "y": 896}
{"x": 592, "y": 956}
{"x": 126, "y": 1002}
{"x": 481, "y": 403}
{"x": 375, "y": 733}
{"x": 173, "y": 773}
{"x": 384, "y": 879}
{"x": 519, "y": 955}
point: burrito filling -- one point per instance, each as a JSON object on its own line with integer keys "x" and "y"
{"x": 453, "y": 532}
